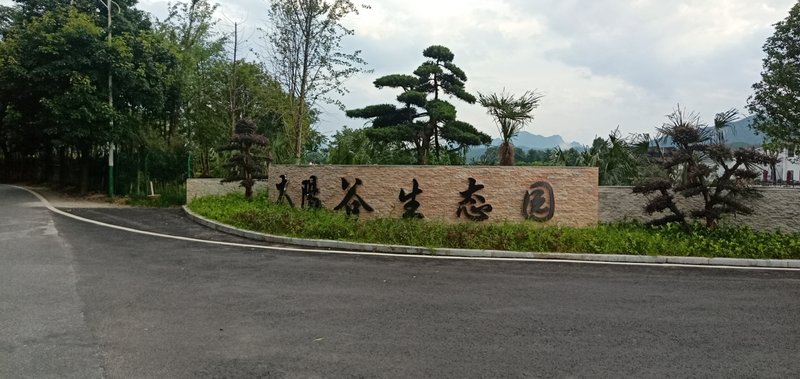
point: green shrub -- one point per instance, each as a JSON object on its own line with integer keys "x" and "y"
{"x": 619, "y": 238}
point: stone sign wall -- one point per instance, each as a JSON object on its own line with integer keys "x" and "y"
{"x": 552, "y": 195}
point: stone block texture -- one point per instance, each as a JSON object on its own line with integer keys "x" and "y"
{"x": 575, "y": 189}
{"x": 775, "y": 211}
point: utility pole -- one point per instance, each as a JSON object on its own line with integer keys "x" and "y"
{"x": 111, "y": 147}
{"x": 233, "y": 88}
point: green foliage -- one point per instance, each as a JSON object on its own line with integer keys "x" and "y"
{"x": 620, "y": 238}
{"x": 620, "y": 161}
{"x": 775, "y": 102}
{"x": 54, "y": 70}
{"x": 175, "y": 95}
{"x": 532, "y": 157}
{"x": 349, "y": 147}
{"x": 404, "y": 82}
{"x": 160, "y": 161}
{"x": 354, "y": 147}
{"x": 424, "y": 121}
{"x": 198, "y": 99}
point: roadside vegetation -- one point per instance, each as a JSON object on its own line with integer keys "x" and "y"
{"x": 165, "y": 195}
{"x": 263, "y": 216}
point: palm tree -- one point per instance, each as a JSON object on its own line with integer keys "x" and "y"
{"x": 511, "y": 114}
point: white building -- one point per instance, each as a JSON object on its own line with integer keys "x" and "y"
{"x": 787, "y": 171}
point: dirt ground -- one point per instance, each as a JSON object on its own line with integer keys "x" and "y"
{"x": 61, "y": 199}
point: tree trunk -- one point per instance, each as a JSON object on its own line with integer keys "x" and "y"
{"x": 248, "y": 191}
{"x": 63, "y": 167}
{"x": 233, "y": 78}
{"x": 305, "y": 72}
{"x": 298, "y": 133}
{"x": 49, "y": 165}
{"x": 85, "y": 161}
{"x": 422, "y": 157}
{"x": 774, "y": 172}
{"x": 205, "y": 166}
{"x": 506, "y": 154}
{"x": 436, "y": 143}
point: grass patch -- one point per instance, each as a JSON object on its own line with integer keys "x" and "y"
{"x": 621, "y": 238}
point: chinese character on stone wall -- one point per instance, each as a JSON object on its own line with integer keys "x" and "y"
{"x": 410, "y": 199}
{"x": 352, "y": 202}
{"x": 311, "y": 193}
{"x": 473, "y": 206}
{"x": 539, "y": 203}
{"x": 282, "y": 187}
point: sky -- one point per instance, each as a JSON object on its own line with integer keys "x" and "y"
{"x": 600, "y": 64}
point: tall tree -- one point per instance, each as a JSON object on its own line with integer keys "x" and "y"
{"x": 424, "y": 120}
{"x": 60, "y": 93}
{"x": 189, "y": 28}
{"x": 307, "y": 57}
{"x": 55, "y": 68}
{"x": 776, "y": 101}
{"x": 510, "y": 114}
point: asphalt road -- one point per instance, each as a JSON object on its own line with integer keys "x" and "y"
{"x": 79, "y": 300}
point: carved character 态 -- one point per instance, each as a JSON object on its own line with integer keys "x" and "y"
{"x": 473, "y": 206}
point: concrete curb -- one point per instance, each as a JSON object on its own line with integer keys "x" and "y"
{"x": 416, "y": 250}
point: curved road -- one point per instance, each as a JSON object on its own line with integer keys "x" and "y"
{"x": 80, "y": 300}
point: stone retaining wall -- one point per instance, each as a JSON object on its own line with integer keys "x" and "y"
{"x": 777, "y": 210}
{"x": 575, "y": 190}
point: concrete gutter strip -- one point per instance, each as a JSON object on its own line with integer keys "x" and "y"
{"x": 415, "y": 250}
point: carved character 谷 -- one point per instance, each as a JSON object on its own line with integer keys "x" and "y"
{"x": 352, "y": 202}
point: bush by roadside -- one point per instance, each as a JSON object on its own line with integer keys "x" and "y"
{"x": 620, "y": 238}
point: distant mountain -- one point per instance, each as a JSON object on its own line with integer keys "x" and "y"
{"x": 742, "y": 133}
{"x": 527, "y": 141}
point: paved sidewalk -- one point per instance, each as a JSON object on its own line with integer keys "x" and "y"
{"x": 62, "y": 200}
{"x": 171, "y": 221}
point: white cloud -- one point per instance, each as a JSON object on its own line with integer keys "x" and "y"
{"x": 600, "y": 64}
